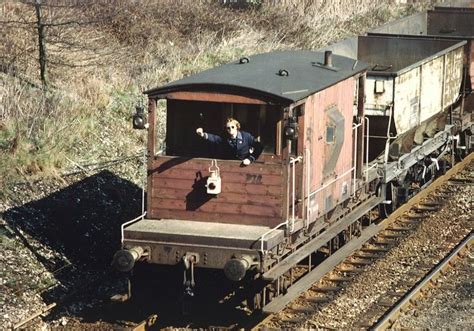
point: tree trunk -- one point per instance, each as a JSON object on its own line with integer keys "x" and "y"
{"x": 41, "y": 43}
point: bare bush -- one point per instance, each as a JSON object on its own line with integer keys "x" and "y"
{"x": 103, "y": 54}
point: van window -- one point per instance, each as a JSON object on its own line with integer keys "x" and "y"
{"x": 184, "y": 117}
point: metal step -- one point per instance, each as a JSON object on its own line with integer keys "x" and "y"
{"x": 321, "y": 240}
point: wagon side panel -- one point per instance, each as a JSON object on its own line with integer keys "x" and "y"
{"x": 431, "y": 88}
{"x": 452, "y": 76}
{"x": 250, "y": 195}
{"x": 407, "y": 100}
{"x": 328, "y": 137}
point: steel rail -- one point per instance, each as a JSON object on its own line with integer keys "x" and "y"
{"x": 391, "y": 316}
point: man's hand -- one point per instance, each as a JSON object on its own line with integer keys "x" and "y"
{"x": 246, "y": 162}
{"x": 200, "y": 132}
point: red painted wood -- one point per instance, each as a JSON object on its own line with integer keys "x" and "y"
{"x": 249, "y": 195}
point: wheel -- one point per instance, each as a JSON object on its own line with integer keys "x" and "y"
{"x": 390, "y": 195}
{"x": 465, "y": 138}
{"x": 428, "y": 176}
{"x": 284, "y": 285}
{"x": 270, "y": 290}
{"x": 357, "y": 228}
{"x": 257, "y": 301}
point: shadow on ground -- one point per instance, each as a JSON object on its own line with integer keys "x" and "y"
{"x": 74, "y": 232}
{"x": 77, "y": 226}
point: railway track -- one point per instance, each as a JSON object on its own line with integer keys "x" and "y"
{"x": 376, "y": 244}
{"x": 408, "y": 300}
{"x": 354, "y": 259}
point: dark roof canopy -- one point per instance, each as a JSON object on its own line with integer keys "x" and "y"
{"x": 264, "y": 76}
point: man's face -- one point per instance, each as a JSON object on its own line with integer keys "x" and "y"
{"x": 231, "y": 128}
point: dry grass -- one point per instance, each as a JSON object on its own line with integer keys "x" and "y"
{"x": 98, "y": 70}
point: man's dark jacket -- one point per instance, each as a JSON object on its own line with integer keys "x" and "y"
{"x": 238, "y": 148}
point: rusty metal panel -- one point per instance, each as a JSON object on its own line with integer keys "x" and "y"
{"x": 414, "y": 24}
{"x": 452, "y": 76}
{"x": 453, "y": 23}
{"x": 407, "y": 100}
{"x": 450, "y": 22}
{"x": 471, "y": 62}
{"x": 431, "y": 88}
{"x": 250, "y": 195}
{"x": 428, "y": 74}
{"x": 397, "y": 54}
{"x": 456, "y": 24}
{"x": 330, "y": 187}
{"x": 455, "y": 5}
{"x": 427, "y": 90}
{"x": 379, "y": 95}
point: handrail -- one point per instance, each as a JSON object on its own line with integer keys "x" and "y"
{"x": 122, "y": 227}
{"x": 367, "y": 146}
{"x": 331, "y": 182}
{"x": 354, "y": 186}
{"x": 144, "y": 180}
{"x": 291, "y": 164}
{"x": 387, "y": 143}
{"x": 268, "y": 232}
{"x": 308, "y": 171}
{"x": 293, "y": 160}
{"x": 366, "y": 171}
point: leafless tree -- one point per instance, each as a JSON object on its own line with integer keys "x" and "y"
{"x": 62, "y": 30}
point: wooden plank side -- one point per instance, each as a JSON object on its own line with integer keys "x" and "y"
{"x": 172, "y": 193}
{"x": 214, "y": 206}
{"x": 249, "y": 195}
{"x": 216, "y": 217}
{"x": 163, "y": 163}
{"x": 161, "y": 184}
{"x": 231, "y": 177}
{"x": 214, "y": 97}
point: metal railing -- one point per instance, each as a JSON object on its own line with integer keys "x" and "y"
{"x": 290, "y": 221}
{"x": 367, "y": 168}
{"x": 291, "y": 205}
{"x": 356, "y": 136}
{"x": 122, "y": 227}
{"x": 307, "y": 194}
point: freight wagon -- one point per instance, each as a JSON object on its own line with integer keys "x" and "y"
{"x": 446, "y": 23}
{"x": 340, "y": 136}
